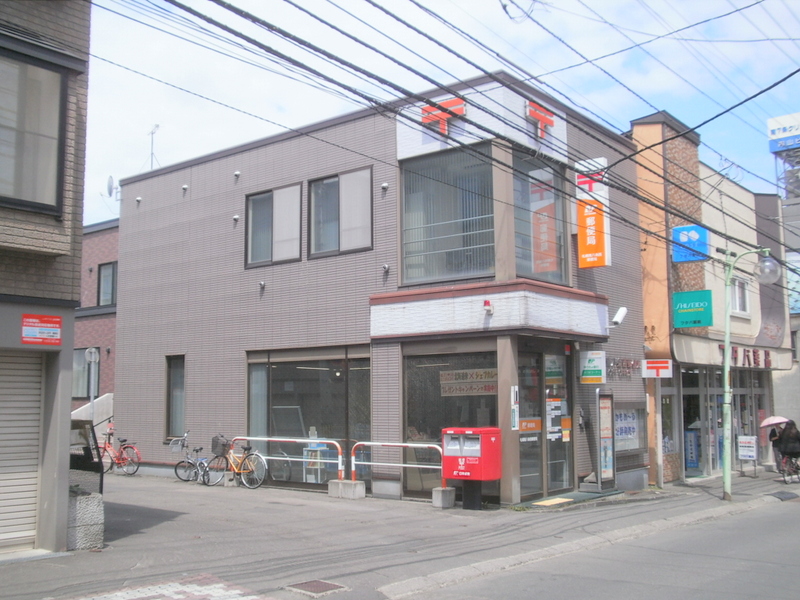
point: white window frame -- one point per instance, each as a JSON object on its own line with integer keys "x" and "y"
{"x": 81, "y": 386}
{"x": 282, "y": 231}
{"x": 350, "y": 230}
{"x": 740, "y": 297}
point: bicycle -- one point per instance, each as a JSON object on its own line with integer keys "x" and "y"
{"x": 790, "y": 468}
{"x": 249, "y": 467}
{"x": 279, "y": 469}
{"x": 126, "y": 458}
{"x": 191, "y": 468}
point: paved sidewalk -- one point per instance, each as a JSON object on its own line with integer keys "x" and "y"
{"x": 167, "y": 539}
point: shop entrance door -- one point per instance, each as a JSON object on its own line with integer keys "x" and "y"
{"x": 545, "y": 425}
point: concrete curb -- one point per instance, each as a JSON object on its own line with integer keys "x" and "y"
{"x": 435, "y": 581}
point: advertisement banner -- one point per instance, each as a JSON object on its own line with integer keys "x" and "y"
{"x": 42, "y": 330}
{"x": 592, "y": 219}
{"x": 692, "y": 309}
{"x": 593, "y": 367}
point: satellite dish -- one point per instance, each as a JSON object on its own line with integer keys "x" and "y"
{"x": 110, "y": 186}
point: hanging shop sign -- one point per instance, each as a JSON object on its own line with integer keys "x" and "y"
{"x": 593, "y": 221}
{"x": 691, "y": 243}
{"x": 659, "y": 368}
{"x": 692, "y": 309}
{"x": 593, "y": 366}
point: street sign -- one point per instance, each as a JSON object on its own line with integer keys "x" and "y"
{"x": 92, "y": 355}
{"x": 692, "y": 243}
{"x": 692, "y": 309}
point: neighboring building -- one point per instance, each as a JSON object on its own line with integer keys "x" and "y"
{"x": 372, "y": 278}
{"x": 44, "y": 51}
{"x": 686, "y": 409}
{"x": 785, "y": 145}
{"x": 96, "y": 319}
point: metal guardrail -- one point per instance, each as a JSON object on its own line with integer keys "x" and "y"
{"x": 355, "y": 462}
{"x": 339, "y": 461}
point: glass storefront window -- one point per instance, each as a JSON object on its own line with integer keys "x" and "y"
{"x": 630, "y": 428}
{"x": 454, "y": 390}
{"x": 323, "y": 398}
{"x": 669, "y": 434}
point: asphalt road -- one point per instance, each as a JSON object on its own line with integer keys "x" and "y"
{"x": 167, "y": 539}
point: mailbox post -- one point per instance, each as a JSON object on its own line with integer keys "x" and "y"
{"x": 473, "y": 455}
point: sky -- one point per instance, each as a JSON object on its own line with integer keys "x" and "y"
{"x": 166, "y": 86}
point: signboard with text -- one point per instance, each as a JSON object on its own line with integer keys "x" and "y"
{"x": 692, "y": 309}
{"x": 691, "y": 243}
{"x": 42, "y": 330}
{"x": 592, "y": 219}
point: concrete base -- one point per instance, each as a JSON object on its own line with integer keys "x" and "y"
{"x": 634, "y": 480}
{"x": 444, "y": 497}
{"x": 85, "y": 522}
{"x": 349, "y": 490}
{"x": 387, "y": 488}
{"x": 230, "y": 480}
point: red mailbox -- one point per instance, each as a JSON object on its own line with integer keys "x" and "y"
{"x": 472, "y": 453}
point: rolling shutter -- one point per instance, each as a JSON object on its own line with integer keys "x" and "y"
{"x": 20, "y": 417}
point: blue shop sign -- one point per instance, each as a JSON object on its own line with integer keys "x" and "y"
{"x": 691, "y": 243}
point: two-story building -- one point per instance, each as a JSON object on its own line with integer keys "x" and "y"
{"x": 694, "y": 220}
{"x": 390, "y": 273}
{"x": 44, "y": 51}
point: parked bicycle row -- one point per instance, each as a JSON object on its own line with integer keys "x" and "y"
{"x": 247, "y": 467}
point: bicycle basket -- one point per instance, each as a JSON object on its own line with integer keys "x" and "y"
{"x": 176, "y": 445}
{"x": 219, "y": 445}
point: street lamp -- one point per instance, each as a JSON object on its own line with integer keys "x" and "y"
{"x": 767, "y": 271}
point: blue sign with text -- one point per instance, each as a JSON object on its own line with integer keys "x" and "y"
{"x": 692, "y": 243}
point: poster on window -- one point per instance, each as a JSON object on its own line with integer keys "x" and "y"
{"x": 544, "y": 229}
{"x": 627, "y": 429}
{"x": 468, "y": 382}
{"x": 553, "y": 370}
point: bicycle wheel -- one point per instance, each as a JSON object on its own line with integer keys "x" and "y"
{"x": 106, "y": 459}
{"x": 185, "y": 471}
{"x": 254, "y": 469}
{"x": 787, "y": 470}
{"x": 129, "y": 460}
{"x": 215, "y": 470}
{"x": 279, "y": 470}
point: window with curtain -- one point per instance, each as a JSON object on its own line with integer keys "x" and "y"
{"x": 448, "y": 215}
{"x": 273, "y": 226}
{"x": 176, "y": 396}
{"x": 340, "y": 213}
{"x": 30, "y": 134}
{"x": 80, "y": 374}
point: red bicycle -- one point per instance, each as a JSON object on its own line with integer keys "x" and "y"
{"x": 126, "y": 458}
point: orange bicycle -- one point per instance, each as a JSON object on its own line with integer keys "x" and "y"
{"x": 126, "y": 458}
{"x": 249, "y": 467}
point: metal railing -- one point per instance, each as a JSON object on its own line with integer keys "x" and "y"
{"x": 339, "y": 461}
{"x": 354, "y": 462}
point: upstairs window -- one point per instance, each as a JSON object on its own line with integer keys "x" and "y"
{"x": 31, "y": 101}
{"x": 448, "y": 216}
{"x": 540, "y": 231}
{"x": 739, "y": 297}
{"x": 176, "y": 395}
{"x": 273, "y": 226}
{"x": 340, "y": 213}
{"x": 107, "y": 284}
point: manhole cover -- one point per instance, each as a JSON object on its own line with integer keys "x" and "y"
{"x": 785, "y": 495}
{"x": 316, "y": 588}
